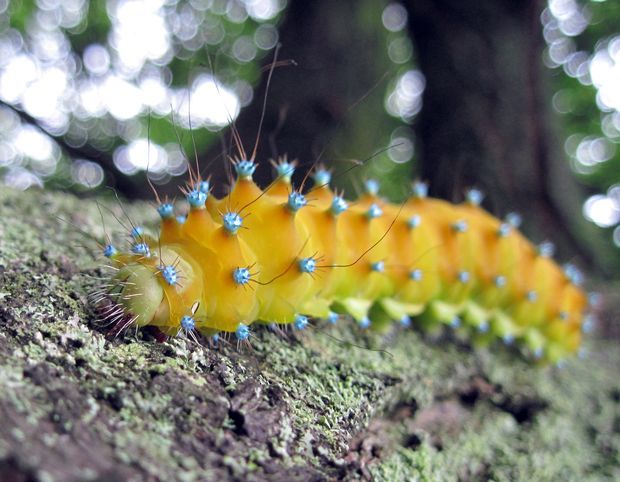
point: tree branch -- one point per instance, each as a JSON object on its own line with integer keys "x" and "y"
{"x": 122, "y": 182}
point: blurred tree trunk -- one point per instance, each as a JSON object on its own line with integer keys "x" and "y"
{"x": 308, "y": 112}
{"x": 487, "y": 119}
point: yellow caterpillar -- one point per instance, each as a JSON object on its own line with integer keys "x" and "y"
{"x": 280, "y": 256}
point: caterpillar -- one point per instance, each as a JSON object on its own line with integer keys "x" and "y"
{"x": 280, "y": 256}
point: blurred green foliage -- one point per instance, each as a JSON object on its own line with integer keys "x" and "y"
{"x": 585, "y": 116}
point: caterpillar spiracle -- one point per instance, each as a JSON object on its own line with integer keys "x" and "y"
{"x": 283, "y": 256}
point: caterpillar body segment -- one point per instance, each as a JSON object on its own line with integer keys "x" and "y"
{"x": 279, "y": 256}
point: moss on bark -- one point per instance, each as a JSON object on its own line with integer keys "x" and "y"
{"x": 329, "y": 403}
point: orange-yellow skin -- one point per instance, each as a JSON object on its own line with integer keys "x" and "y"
{"x": 458, "y": 268}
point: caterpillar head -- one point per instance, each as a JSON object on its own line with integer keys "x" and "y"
{"x": 157, "y": 290}
{"x": 138, "y": 291}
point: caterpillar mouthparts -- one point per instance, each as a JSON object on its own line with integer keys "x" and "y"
{"x": 280, "y": 256}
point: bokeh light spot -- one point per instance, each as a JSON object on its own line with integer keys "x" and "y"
{"x": 394, "y": 17}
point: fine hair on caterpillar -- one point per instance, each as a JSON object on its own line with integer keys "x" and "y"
{"x": 282, "y": 256}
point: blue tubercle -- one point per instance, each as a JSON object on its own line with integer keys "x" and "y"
{"x": 137, "y": 232}
{"x": 415, "y": 275}
{"x": 500, "y": 281}
{"x": 165, "y": 210}
{"x": 405, "y": 321}
{"x": 483, "y": 327}
{"x": 475, "y": 197}
{"x": 301, "y": 322}
{"x": 196, "y": 198}
{"x": 322, "y": 177}
{"x": 245, "y": 168}
{"x": 241, "y": 276}
{"x": 594, "y": 298}
{"x": 573, "y": 274}
{"x": 563, "y": 315}
{"x": 242, "y": 332}
{"x": 531, "y": 296}
{"x": 296, "y": 201}
{"x": 538, "y": 353}
{"x": 232, "y": 222}
{"x": 204, "y": 186}
{"x": 333, "y": 317}
{"x": 420, "y": 189}
{"x": 188, "y": 323}
{"x": 339, "y": 205}
{"x": 372, "y": 186}
{"x": 456, "y": 322}
{"x": 378, "y": 266}
{"x": 514, "y": 219}
{"x": 374, "y": 211}
{"x": 109, "y": 250}
{"x": 414, "y": 221}
{"x": 546, "y": 249}
{"x": 463, "y": 276}
{"x": 365, "y": 322}
{"x": 459, "y": 226}
{"x": 587, "y": 326}
{"x": 169, "y": 274}
{"x": 285, "y": 170}
{"x": 142, "y": 249}
{"x": 508, "y": 338}
{"x": 307, "y": 265}
{"x": 504, "y": 230}
{"x": 181, "y": 219}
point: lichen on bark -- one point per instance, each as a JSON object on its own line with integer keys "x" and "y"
{"x": 331, "y": 403}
